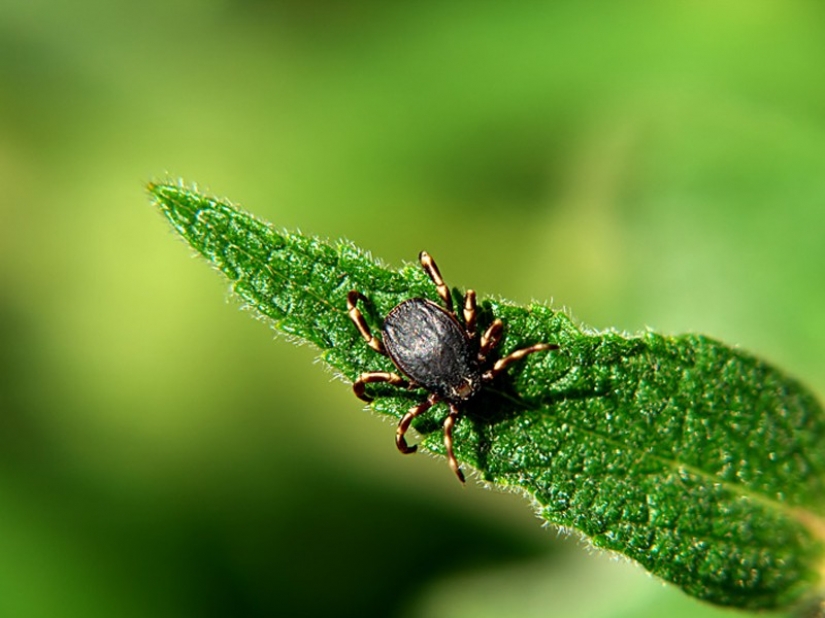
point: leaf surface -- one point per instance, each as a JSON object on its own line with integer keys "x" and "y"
{"x": 695, "y": 459}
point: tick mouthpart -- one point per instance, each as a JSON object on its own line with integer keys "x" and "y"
{"x": 466, "y": 389}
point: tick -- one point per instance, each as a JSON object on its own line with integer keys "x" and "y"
{"x": 436, "y": 352}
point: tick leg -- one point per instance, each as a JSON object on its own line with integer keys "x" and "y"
{"x": 470, "y": 313}
{"x": 376, "y": 376}
{"x": 356, "y": 316}
{"x": 428, "y": 264}
{"x": 449, "y": 423}
{"x": 404, "y": 425}
{"x": 503, "y": 363}
{"x": 490, "y": 339}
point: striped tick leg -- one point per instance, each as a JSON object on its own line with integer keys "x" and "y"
{"x": 356, "y": 316}
{"x": 428, "y": 264}
{"x": 404, "y": 425}
{"x": 470, "y": 313}
{"x": 490, "y": 339}
{"x": 449, "y": 423}
{"x": 503, "y": 363}
{"x": 376, "y": 376}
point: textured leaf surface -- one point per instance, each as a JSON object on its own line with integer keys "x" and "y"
{"x": 697, "y": 460}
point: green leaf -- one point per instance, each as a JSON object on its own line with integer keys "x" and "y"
{"x": 697, "y": 460}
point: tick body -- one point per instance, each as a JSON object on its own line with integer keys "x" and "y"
{"x": 435, "y": 352}
{"x": 430, "y": 347}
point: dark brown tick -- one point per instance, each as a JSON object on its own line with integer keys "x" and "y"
{"x": 436, "y": 352}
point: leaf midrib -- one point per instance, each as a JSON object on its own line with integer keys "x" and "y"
{"x": 805, "y": 517}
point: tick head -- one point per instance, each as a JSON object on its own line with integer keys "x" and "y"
{"x": 465, "y": 389}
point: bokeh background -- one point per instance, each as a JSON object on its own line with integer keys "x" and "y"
{"x": 644, "y": 164}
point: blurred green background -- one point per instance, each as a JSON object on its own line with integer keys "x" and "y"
{"x": 645, "y": 164}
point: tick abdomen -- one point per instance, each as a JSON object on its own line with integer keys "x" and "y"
{"x": 428, "y": 344}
